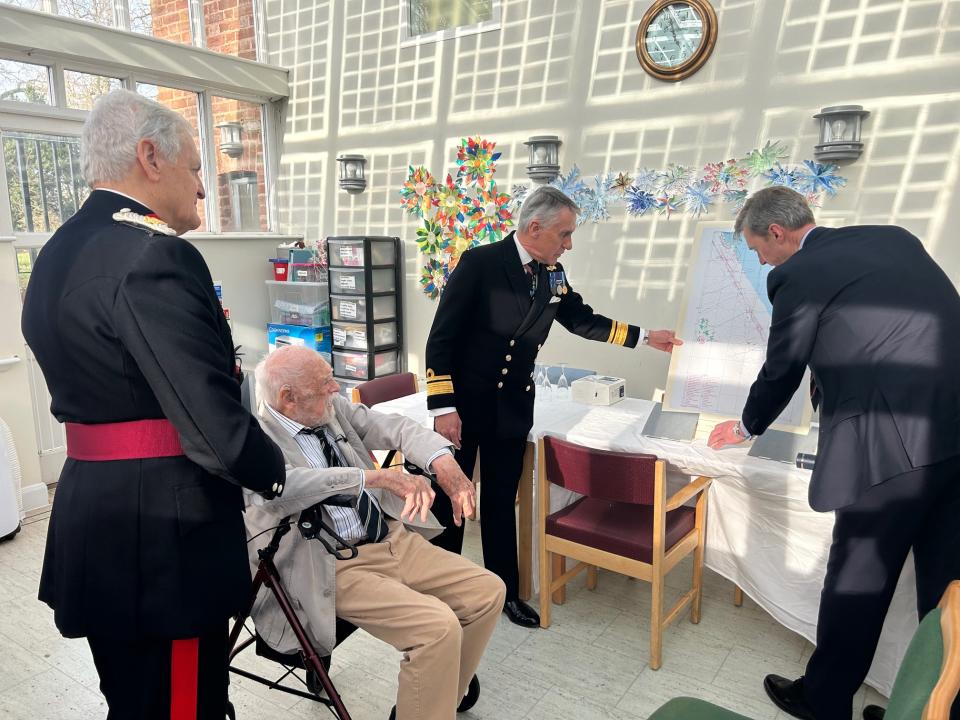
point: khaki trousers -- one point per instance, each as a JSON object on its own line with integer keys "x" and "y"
{"x": 439, "y": 609}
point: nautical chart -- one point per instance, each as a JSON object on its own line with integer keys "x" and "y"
{"x": 724, "y": 323}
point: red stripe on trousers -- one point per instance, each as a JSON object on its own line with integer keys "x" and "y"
{"x": 184, "y": 663}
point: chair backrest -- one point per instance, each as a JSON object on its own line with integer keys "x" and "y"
{"x": 389, "y": 387}
{"x": 601, "y": 474}
{"x": 929, "y": 676}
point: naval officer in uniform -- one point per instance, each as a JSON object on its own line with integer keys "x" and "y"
{"x": 495, "y": 314}
{"x": 146, "y": 553}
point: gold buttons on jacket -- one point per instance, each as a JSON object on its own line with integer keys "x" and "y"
{"x": 504, "y": 371}
{"x": 528, "y": 388}
{"x": 499, "y": 385}
{"x": 509, "y": 358}
{"x": 512, "y": 343}
{"x": 539, "y": 345}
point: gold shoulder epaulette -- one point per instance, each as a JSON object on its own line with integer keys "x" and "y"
{"x": 618, "y": 333}
{"x": 150, "y": 223}
{"x": 438, "y": 384}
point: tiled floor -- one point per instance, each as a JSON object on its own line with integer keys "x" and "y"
{"x": 590, "y": 665}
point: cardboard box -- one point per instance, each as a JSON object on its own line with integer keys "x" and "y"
{"x": 315, "y": 338}
{"x": 598, "y": 390}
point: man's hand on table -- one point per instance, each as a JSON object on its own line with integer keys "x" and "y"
{"x": 725, "y": 434}
{"x": 457, "y": 486}
{"x": 414, "y": 489}
{"x": 449, "y": 426}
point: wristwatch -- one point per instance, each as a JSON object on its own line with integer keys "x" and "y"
{"x": 646, "y": 337}
{"x": 740, "y": 431}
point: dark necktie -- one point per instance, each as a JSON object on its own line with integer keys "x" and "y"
{"x": 371, "y": 517}
{"x": 532, "y": 269}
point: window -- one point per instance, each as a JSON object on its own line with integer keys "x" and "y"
{"x": 83, "y": 89}
{"x": 24, "y": 82}
{"x": 433, "y": 20}
{"x": 43, "y": 177}
{"x": 26, "y": 257}
{"x": 100, "y": 12}
{"x": 241, "y": 187}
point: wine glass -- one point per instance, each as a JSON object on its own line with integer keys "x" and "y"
{"x": 541, "y": 382}
{"x": 563, "y": 385}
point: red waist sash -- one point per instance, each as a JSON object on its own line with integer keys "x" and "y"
{"x": 134, "y": 440}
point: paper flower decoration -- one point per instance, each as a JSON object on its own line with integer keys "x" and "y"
{"x": 646, "y": 179}
{"x": 697, "y": 198}
{"x": 814, "y": 178}
{"x": 418, "y": 193}
{"x": 595, "y": 201}
{"x": 759, "y": 161}
{"x": 433, "y": 278}
{"x": 674, "y": 179}
{"x": 622, "y": 183}
{"x": 451, "y": 203}
{"x": 570, "y": 184}
{"x": 489, "y": 215}
{"x": 639, "y": 201}
{"x": 518, "y": 194}
{"x": 430, "y": 238}
{"x": 476, "y": 159}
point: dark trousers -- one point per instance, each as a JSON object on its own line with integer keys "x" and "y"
{"x": 871, "y": 539}
{"x": 501, "y": 462}
{"x": 163, "y": 679}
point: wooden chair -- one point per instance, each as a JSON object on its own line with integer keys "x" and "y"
{"x": 926, "y": 685}
{"x": 625, "y": 524}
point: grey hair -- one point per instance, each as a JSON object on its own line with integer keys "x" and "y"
{"x": 544, "y": 204}
{"x": 287, "y": 365}
{"x": 119, "y": 120}
{"x": 773, "y": 205}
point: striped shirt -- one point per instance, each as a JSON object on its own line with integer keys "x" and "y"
{"x": 346, "y": 520}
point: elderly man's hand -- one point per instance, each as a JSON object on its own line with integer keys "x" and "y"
{"x": 414, "y": 489}
{"x": 457, "y": 486}
{"x": 725, "y": 434}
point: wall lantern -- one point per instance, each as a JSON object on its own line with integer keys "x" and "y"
{"x": 352, "y": 177}
{"x": 231, "y": 142}
{"x": 544, "y": 163}
{"x": 840, "y": 133}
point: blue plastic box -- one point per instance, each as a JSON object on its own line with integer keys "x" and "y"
{"x": 315, "y": 338}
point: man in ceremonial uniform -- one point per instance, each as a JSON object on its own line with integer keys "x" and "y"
{"x": 494, "y": 316}
{"x": 878, "y": 324}
{"x": 146, "y": 553}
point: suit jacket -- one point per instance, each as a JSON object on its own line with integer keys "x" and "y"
{"x": 125, "y": 325}
{"x": 486, "y": 335}
{"x": 307, "y": 569}
{"x": 878, "y": 322}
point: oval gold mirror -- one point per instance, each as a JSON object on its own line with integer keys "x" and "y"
{"x": 675, "y": 38}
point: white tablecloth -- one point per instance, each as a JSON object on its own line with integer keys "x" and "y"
{"x": 761, "y": 532}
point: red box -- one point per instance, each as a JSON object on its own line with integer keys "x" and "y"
{"x": 280, "y": 268}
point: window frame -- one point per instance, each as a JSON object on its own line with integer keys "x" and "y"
{"x": 408, "y": 40}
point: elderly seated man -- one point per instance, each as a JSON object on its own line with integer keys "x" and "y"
{"x": 436, "y": 607}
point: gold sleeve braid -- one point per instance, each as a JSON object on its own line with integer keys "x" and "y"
{"x": 439, "y": 384}
{"x": 618, "y": 333}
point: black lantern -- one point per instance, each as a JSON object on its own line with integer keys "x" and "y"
{"x": 352, "y": 177}
{"x": 840, "y": 133}
{"x": 544, "y": 158}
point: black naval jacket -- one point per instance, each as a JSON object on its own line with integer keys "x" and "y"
{"x": 125, "y": 325}
{"x": 487, "y": 333}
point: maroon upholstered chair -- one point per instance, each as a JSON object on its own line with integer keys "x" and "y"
{"x": 382, "y": 389}
{"x": 388, "y": 387}
{"x": 625, "y": 523}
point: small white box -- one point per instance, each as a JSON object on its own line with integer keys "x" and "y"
{"x": 598, "y": 390}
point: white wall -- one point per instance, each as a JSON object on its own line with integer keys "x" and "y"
{"x": 569, "y": 68}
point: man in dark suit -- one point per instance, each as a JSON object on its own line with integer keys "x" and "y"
{"x": 493, "y": 317}
{"x": 878, "y": 323}
{"x": 146, "y": 553}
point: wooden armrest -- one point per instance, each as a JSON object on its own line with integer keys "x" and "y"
{"x": 687, "y": 492}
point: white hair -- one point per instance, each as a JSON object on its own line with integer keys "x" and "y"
{"x": 290, "y": 365}
{"x": 118, "y": 122}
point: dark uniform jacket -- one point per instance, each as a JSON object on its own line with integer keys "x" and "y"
{"x": 126, "y": 326}
{"x": 487, "y": 332}
{"x": 878, "y": 322}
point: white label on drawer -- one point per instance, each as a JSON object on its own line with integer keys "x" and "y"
{"x": 348, "y": 282}
{"x": 360, "y": 336}
{"x": 351, "y": 255}
{"x": 339, "y": 336}
{"x": 348, "y": 309}
{"x": 349, "y": 368}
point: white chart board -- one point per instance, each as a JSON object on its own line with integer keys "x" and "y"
{"x": 724, "y": 323}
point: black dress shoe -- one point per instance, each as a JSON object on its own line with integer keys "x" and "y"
{"x": 873, "y": 712}
{"x": 473, "y": 694}
{"x": 788, "y": 696}
{"x": 521, "y": 614}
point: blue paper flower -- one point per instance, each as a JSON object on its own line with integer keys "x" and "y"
{"x": 814, "y": 178}
{"x": 697, "y": 198}
{"x": 779, "y": 175}
{"x": 570, "y": 184}
{"x": 639, "y": 201}
{"x": 595, "y": 202}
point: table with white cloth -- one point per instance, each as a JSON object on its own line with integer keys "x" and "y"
{"x": 761, "y": 532}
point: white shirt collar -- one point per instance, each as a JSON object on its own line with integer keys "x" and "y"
{"x": 525, "y": 257}
{"x": 128, "y": 197}
{"x": 291, "y": 426}
{"x": 804, "y": 238}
